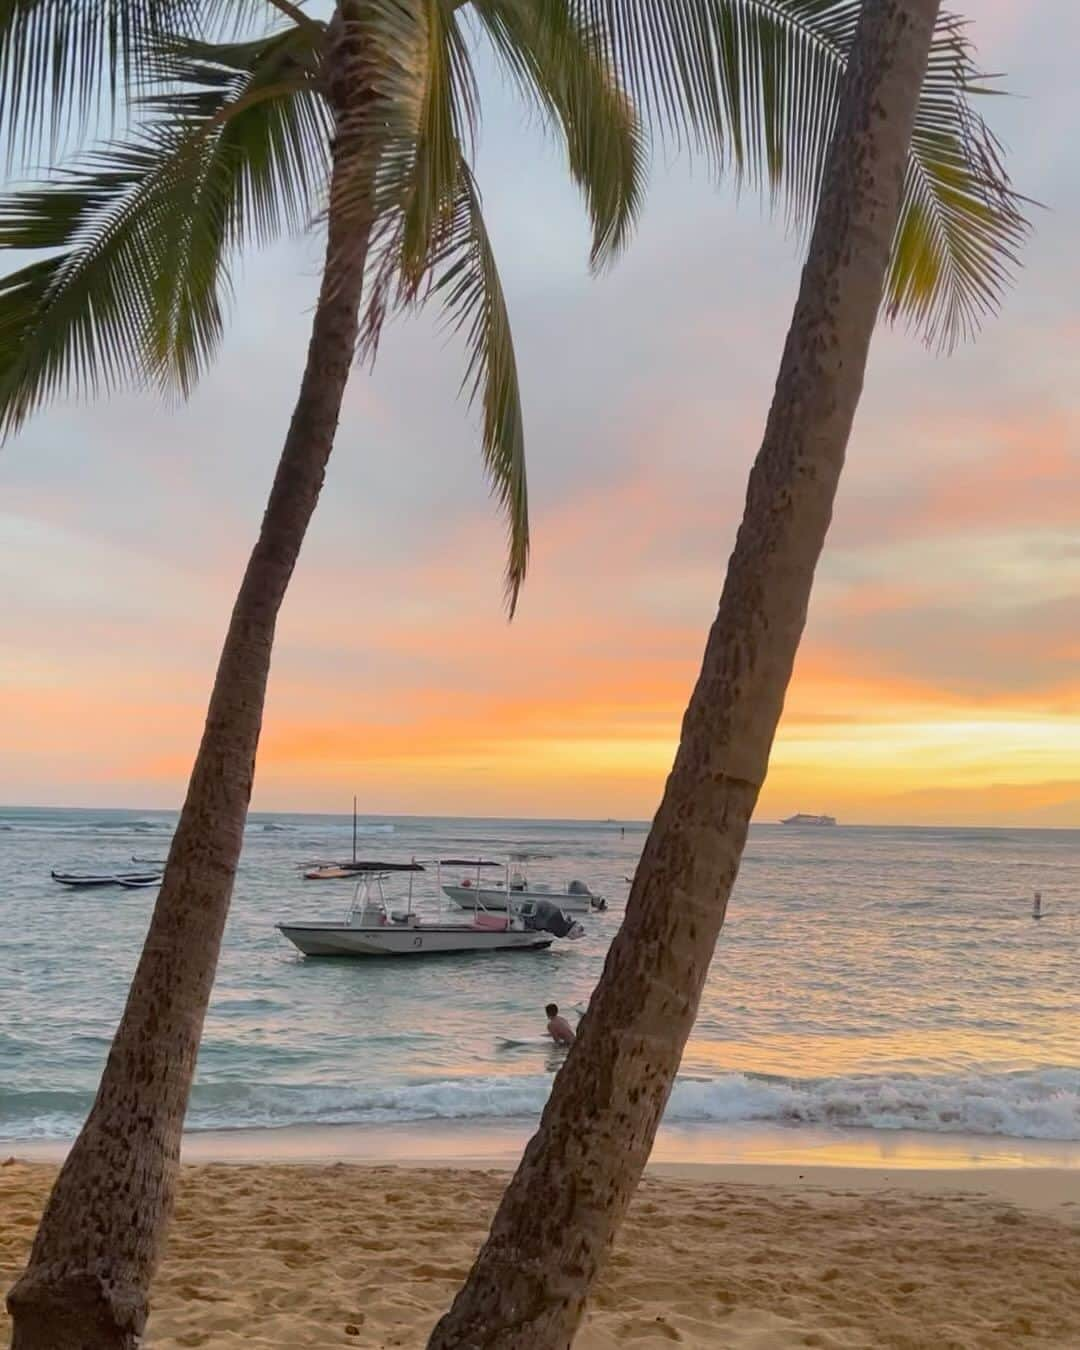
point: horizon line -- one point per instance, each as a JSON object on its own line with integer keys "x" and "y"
{"x": 543, "y": 820}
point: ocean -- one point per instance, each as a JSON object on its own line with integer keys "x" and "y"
{"x": 868, "y": 981}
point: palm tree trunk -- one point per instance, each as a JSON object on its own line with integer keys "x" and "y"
{"x": 560, "y": 1212}
{"x": 100, "y": 1239}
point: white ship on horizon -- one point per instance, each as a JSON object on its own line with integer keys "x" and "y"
{"x": 803, "y": 819}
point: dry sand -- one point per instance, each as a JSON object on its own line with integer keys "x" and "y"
{"x": 273, "y": 1257}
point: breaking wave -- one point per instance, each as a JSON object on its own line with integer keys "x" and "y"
{"x": 1035, "y": 1104}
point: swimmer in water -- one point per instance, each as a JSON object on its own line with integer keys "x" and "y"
{"x": 558, "y": 1028}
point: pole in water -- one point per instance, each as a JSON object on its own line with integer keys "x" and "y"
{"x": 1036, "y": 907}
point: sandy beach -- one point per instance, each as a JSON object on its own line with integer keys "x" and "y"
{"x": 275, "y": 1256}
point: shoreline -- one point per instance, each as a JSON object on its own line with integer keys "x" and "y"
{"x": 701, "y": 1148}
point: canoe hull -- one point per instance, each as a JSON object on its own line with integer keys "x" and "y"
{"x": 87, "y": 880}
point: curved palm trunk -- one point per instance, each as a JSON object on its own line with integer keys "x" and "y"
{"x": 99, "y": 1241}
{"x": 560, "y": 1212}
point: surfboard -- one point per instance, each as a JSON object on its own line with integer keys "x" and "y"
{"x": 526, "y": 1043}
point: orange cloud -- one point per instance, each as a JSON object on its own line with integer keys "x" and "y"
{"x": 397, "y": 676}
{"x": 1028, "y": 474}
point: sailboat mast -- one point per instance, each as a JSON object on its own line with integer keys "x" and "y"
{"x": 354, "y": 828}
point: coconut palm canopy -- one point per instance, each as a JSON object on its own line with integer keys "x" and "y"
{"x": 223, "y": 136}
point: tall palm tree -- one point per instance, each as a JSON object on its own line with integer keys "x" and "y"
{"x": 559, "y": 1215}
{"x": 238, "y": 139}
{"x": 363, "y": 120}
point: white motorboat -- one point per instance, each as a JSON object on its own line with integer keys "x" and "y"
{"x": 801, "y": 818}
{"x": 373, "y": 928}
{"x": 515, "y": 889}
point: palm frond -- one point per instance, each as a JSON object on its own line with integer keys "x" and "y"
{"x": 461, "y": 272}
{"x": 754, "y": 85}
{"x": 962, "y": 225}
{"x": 261, "y": 106}
{"x": 65, "y": 64}
{"x": 418, "y": 197}
{"x": 560, "y": 66}
{"x": 82, "y": 319}
{"x": 466, "y": 280}
{"x": 409, "y": 135}
{"x": 384, "y": 50}
{"x": 446, "y": 118}
{"x": 263, "y": 170}
{"x": 142, "y": 232}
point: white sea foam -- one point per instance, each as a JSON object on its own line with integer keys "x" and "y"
{"x": 1039, "y": 1104}
{"x": 1032, "y": 1105}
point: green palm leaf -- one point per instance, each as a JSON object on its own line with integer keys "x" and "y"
{"x": 559, "y": 65}
{"x": 142, "y": 233}
{"x": 378, "y": 139}
{"x": 428, "y": 234}
{"x": 458, "y": 267}
{"x": 82, "y": 320}
{"x": 428, "y": 231}
{"x": 260, "y": 106}
{"x": 466, "y": 280}
{"x": 66, "y": 63}
{"x": 754, "y": 85}
{"x": 263, "y": 171}
{"x": 447, "y": 117}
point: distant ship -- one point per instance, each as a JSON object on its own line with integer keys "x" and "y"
{"x": 802, "y": 819}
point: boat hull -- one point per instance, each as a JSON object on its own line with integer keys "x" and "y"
{"x": 480, "y": 897}
{"x": 86, "y": 880}
{"x": 334, "y": 939}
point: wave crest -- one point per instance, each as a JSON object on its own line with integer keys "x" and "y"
{"x": 1037, "y": 1104}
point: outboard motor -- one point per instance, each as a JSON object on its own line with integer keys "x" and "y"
{"x": 596, "y": 902}
{"x": 544, "y": 917}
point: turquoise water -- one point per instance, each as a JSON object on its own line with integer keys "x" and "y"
{"x": 867, "y": 979}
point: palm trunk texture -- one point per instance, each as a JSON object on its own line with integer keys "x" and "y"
{"x": 559, "y": 1215}
{"x": 99, "y": 1242}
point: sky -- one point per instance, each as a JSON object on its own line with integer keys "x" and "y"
{"x": 939, "y": 677}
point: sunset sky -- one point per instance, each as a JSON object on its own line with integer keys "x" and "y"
{"x": 939, "y": 679}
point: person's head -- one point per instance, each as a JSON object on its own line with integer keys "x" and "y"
{"x": 552, "y": 1010}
